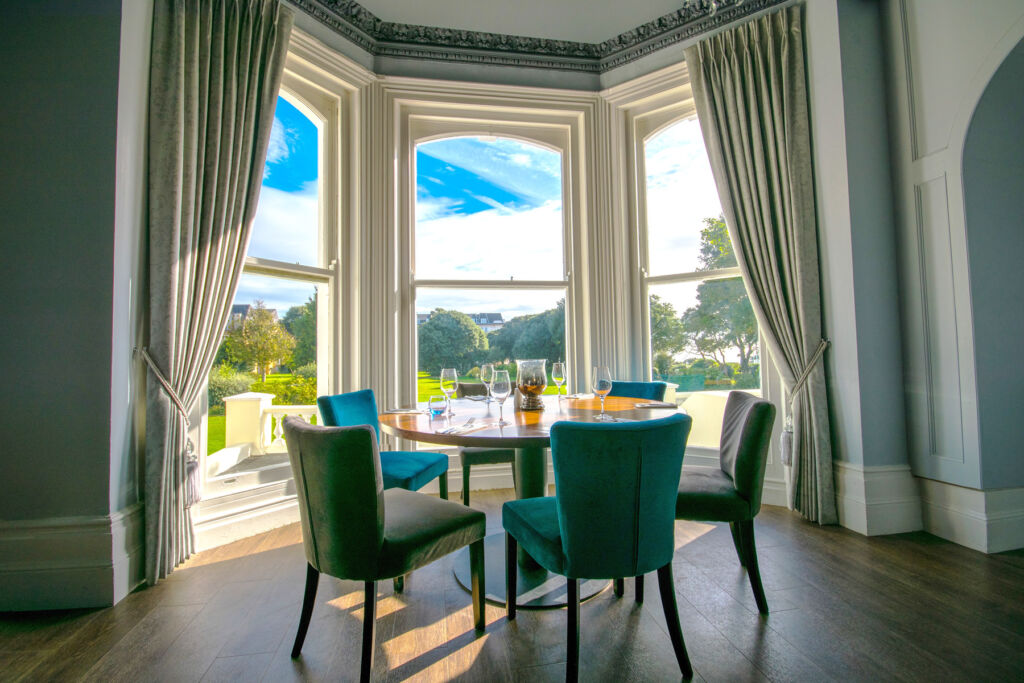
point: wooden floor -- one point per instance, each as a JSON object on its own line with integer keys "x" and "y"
{"x": 843, "y": 607}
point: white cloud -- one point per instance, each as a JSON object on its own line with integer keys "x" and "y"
{"x": 286, "y": 226}
{"x": 278, "y": 147}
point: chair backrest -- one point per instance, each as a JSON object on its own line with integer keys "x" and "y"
{"x": 615, "y": 491}
{"x": 340, "y": 494}
{"x": 746, "y": 432}
{"x": 653, "y": 391}
{"x": 465, "y": 389}
{"x": 348, "y": 410}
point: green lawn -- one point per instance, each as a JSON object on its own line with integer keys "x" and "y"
{"x": 214, "y": 433}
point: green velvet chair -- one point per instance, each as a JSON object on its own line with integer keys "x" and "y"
{"x": 479, "y": 455}
{"x": 652, "y": 391}
{"x": 611, "y": 515}
{"x": 733, "y": 493}
{"x": 354, "y": 529}
{"x": 410, "y": 470}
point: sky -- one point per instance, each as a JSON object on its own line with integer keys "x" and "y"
{"x": 486, "y": 209}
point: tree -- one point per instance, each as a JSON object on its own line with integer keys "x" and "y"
{"x": 668, "y": 335}
{"x": 502, "y": 341}
{"x": 258, "y": 341}
{"x": 449, "y": 339}
{"x": 542, "y": 335}
{"x": 300, "y": 321}
{"x": 723, "y": 318}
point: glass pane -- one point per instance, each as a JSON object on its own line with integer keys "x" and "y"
{"x": 287, "y": 223}
{"x": 488, "y": 209}
{"x": 270, "y": 346}
{"x": 681, "y": 200}
{"x": 466, "y": 328}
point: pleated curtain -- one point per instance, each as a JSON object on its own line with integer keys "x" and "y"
{"x": 750, "y": 90}
{"x": 215, "y": 72}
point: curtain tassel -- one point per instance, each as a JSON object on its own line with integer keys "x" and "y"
{"x": 786, "y": 440}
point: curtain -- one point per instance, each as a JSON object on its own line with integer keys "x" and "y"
{"x": 215, "y": 72}
{"x": 751, "y": 96}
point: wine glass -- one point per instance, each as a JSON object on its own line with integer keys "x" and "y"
{"x": 487, "y": 376}
{"x": 558, "y": 375}
{"x": 449, "y": 383}
{"x": 602, "y": 385}
{"x": 501, "y": 387}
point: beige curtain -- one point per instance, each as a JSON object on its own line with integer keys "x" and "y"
{"x": 214, "y": 77}
{"x": 751, "y": 96}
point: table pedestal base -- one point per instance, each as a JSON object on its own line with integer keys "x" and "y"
{"x": 536, "y": 588}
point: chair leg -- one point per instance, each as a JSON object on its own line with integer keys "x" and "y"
{"x": 746, "y": 528}
{"x": 465, "y": 485}
{"x": 667, "y": 588}
{"x": 737, "y": 542}
{"x": 308, "y": 600}
{"x": 399, "y": 583}
{"x": 476, "y": 570}
{"x": 619, "y": 586}
{"x": 511, "y": 578}
{"x": 640, "y": 588}
{"x": 369, "y": 624}
{"x": 442, "y": 484}
{"x": 572, "y": 655}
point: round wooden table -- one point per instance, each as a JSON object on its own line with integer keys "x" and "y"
{"x": 529, "y": 434}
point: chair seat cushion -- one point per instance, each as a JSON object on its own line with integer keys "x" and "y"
{"x": 474, "y": 455}
{"x": 411, "y": 470}
{"x": 419, "y": 529}
{"x": 533, "y": 522}
{"x": 710, "y": 496}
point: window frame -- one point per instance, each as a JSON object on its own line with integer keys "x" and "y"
{"x": 425, "y": 121}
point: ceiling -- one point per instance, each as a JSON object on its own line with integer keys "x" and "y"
{"x": 584, "y": 21}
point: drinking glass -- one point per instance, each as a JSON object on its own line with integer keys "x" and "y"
{"x": 501, "y": 387}
{"x": 487, "y": 376}
{"x": 532, "y": 380}
{"x": 558, "y": 375}
{"x": 437, "y": 404}
{"x": 602, "y": 384}
{"x": 449, "y": 383}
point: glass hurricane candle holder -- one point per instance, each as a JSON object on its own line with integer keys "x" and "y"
{"x": 532, "y": 380}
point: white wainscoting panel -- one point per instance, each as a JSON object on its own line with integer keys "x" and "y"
{"x": 988, "y": 521}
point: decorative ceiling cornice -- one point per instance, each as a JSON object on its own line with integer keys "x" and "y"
{"x": 389, "y": 39}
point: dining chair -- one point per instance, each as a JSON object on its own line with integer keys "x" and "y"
{"x": 733, "y": 492}
{"x": 652, "y": 391}
{"x": 410, "y": 470}
{"x": 611, "y": 515}
{"x": 479, "y": 455}
{"x": 352, "y": 528}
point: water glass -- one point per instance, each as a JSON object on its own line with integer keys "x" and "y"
{"x": 436, "y": 405}
{"x": 601, "y": 381}
{"x": 449, "y": 383}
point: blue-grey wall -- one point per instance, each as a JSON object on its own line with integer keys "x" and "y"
{"x": 873, "y": 234}
{"x": 994, "y": 206}
{"x": 58, "y": 75}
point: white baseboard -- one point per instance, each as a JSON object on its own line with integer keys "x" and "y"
{"x": 877, "y": 500}
{"x": 988, "y": 521}
{"x": 69, "y": 562}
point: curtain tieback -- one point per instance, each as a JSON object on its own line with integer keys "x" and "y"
{"x": 786, "y": 441}
{"x": 192, "y": 492}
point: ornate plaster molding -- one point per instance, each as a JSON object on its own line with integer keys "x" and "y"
{"x": 389, "y": 39}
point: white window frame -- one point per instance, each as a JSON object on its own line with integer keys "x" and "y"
{"x": 424, "y": 121}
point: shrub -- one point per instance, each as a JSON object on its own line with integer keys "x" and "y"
{"x": 290, "y": 391}
{"x": 307, "y": 371}
{"x": 226, "y": 381}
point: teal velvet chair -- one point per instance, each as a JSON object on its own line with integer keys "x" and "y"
{"x": 479, "y": 455}
{"x": 354, "y": 529}
{"x": 611, "y": 515}
{"x": 733, "y": 492}
{"x": 411, "y": 470}
{"x": 652, "y": 391}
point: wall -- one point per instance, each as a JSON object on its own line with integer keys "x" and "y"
{"x": 993, "y": 169}
{"x": 58, "y": 72}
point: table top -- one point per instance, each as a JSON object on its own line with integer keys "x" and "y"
{"x": 528, "y": 428}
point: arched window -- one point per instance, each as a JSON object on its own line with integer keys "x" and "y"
{"x": 490, "y": 277}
